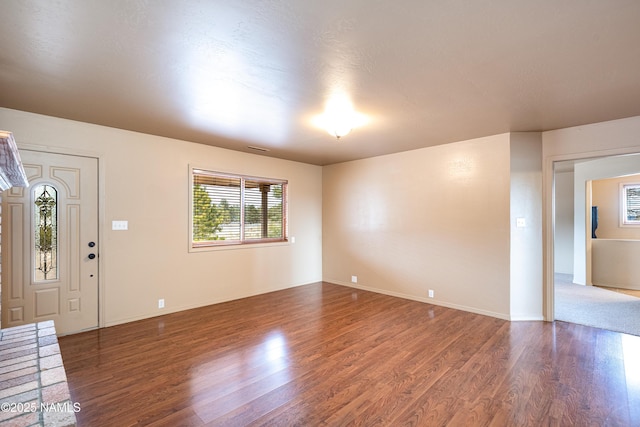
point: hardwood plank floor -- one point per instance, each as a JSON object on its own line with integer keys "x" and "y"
{"x": 325, "y": 354}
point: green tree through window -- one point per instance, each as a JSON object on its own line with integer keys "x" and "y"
{"x": 207, "y": 217}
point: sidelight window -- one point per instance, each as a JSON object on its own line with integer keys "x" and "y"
{"x": 231, "y": 209}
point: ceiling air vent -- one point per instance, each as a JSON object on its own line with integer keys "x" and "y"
{"x": 262, "y": 149}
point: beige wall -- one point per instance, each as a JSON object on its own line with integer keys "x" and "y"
{"x": 605, "y": 193}
{"x": 615, "y": 263}
{"x": 436, "y": 218}
{"x": 526, "y": 237}
{"x": 144, "y": 180}
{"x": 563, "y": 254}
{"x": 615, "y": 252}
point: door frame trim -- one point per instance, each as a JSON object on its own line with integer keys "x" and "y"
{"x": 548, "y": 220}
{"x": 101, "y": 213}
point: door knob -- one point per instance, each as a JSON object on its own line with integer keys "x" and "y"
{"x": 92, "y": 256}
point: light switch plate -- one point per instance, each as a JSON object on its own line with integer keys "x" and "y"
{"x": 119, "y": 225}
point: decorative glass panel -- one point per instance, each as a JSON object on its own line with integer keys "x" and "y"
{"x": 46, "y": 232}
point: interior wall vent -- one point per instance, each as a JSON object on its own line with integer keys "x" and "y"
{"x": 253, "y": 147}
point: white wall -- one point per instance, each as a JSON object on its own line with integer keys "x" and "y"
{"x": 144, "y": 179}
{"x": 436, "y": 218}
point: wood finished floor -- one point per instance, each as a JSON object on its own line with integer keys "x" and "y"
{"x": 329, "y": 355}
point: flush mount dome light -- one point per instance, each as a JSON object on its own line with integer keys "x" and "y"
{"x": 339, "y": 118}
{"x": 338, "y": 124}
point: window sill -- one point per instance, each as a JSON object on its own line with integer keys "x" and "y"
{"x": 629, "y": 225}
{"x": 236, "y": 246}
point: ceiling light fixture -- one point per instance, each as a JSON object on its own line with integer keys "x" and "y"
{"x": 338, "y": 124}
{"x": 339, "y": 117}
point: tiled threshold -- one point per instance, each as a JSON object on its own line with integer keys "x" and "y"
{"x": 33, "y": 382}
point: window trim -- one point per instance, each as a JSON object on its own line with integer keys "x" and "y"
{"x": 624, "y": 222}
{"x": 242, "y": 242}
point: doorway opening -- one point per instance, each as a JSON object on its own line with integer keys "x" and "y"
{"x": 589, "y": 278}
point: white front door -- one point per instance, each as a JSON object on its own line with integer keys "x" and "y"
{"x": 50, "y": 244}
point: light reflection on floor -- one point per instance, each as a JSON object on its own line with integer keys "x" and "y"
{"x": 631, "y": 352}
{"x": 233, "y": 375}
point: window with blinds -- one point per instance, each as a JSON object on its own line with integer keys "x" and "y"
{"x": 233, "y": 209}
{"x": 630, "y": 204}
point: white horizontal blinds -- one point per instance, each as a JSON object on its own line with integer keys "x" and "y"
{"x": 632, "y": 198}
{"x": 276, "y": 215}
{"x": 263, "y": 210}
{"x": 216, "y": 208}
{"x": 231, "y": 209}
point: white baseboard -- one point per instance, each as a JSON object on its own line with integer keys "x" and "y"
{"x": 422, "y": 299}
{"x": 527, "y": 319}
{"x": 176, "y": 309}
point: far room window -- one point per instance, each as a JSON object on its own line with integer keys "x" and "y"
{"x": 229, "y": 209}
{"x": 630, "y": 204}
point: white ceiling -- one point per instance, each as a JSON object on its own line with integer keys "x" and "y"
{"x": 255, "y": 72}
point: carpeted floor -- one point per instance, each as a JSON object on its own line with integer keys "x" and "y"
{"x": 631, "y": 292}
{"x": 597, "y": 307}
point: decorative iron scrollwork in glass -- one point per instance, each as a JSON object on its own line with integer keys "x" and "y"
{"x": 46, "y": 232}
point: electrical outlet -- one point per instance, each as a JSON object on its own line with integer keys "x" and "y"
{"x": 354, "y": 279}
{"x": 161, "y": 303}
{"x": 431, "y": 293}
